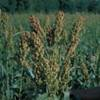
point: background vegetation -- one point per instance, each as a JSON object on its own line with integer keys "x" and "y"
{"x": 51, "y": 5}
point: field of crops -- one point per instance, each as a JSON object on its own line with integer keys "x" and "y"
{"x": 43, "y": 56}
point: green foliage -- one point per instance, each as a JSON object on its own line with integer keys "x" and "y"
{"x": 50, "y": 5}
{"x": 84, "y": 71}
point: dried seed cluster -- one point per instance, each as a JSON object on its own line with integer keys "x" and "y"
{"x": 47, "y": 69}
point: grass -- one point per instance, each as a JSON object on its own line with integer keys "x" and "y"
{"x": 91, "y": 28}
{"x": 72, "y": 57}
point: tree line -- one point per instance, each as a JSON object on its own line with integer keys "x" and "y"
{"x": 50, "y": 5}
